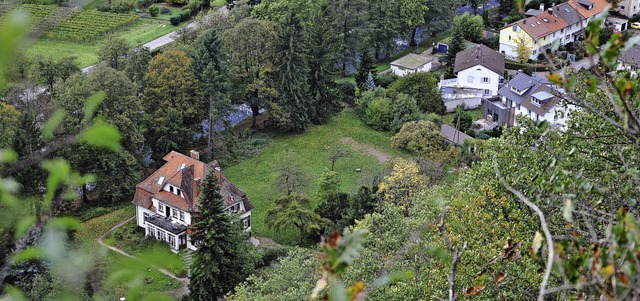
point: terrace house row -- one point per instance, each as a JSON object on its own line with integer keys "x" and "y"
{"x": 563, "y": 23}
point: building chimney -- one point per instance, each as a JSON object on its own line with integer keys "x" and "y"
{"x": 541, "y": 6}
{"x": 195, "y": 155}
{"x": 550, "y": 11}
{"x": 218, "y": 174}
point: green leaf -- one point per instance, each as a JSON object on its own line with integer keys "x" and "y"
{"x": 15, "y": 294}
{"x": 338, "y": 292}
{"x": 593, "y": 85}
{"x": 8, "y": 156}
{"x": 23, "y": 225}
{"x": 59, "y": 170}
{"x": 67, "y": 223}
{"x": 52, "y": 124}
{"x": 27, "y": 254}
{"x": 92, "y": 103}
{"x": 567, "y": 210}
{"x": 537, "y": 243}
{"x": 102, "y": 134}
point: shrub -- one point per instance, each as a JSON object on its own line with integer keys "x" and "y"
{"x": 164, "y": 10}
{"x": 378, "y": 114}
{"x": 142, "y": 4}
{"x": 103, "y": 7}
{"x": 424, "y": 88}
{"x": 177, "y": 2}
{"x": 419, "y": 137}
{"x": 121, "y": 7}
{"x": 347, "y": 91}
{"x": 384, "y": 80}
{"x": 194, "y": 5}
{"x": 153, "y": 11}
{"x": 175, "y": 20}
{"x": 185, "y": 15}
{"x": 404, "y": 109}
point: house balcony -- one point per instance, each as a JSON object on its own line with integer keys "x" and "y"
{"x": 164, "y": 229}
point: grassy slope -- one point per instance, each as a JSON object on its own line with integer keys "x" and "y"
{"x": 115, "y": 262}
{"x": 256, "y": 175}
{"x": 140, "y": 32}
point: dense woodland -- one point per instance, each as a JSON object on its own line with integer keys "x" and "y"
{"x": 529, "y": 213}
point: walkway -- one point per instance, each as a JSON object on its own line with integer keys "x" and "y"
{"x": 178, "y": 293}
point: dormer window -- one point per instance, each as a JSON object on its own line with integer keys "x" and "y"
{"x": 171, "y": 189}
{"x": 536, "y": 101}
{"x": 178, "y": 192}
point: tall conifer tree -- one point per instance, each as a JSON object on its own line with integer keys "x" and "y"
{"x": 291, "y": 75}
{"x": 323, "y": 66}
{"x": 222, "y": 259}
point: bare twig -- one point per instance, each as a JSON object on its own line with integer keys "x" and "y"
{"x": 543, "y": 225}
{"x": 454, "y": 262}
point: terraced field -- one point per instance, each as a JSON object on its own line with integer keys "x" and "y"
{"x": 68, "y": 24}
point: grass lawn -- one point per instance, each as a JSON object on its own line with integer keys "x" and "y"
{"x": 130, "y": 238}
{"x": 115, "y": 263}
{"x": 475, "y": 115}
{"x": 256, "y": 175}
{"x": 140, "y": 32}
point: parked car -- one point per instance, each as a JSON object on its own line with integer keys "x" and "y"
{"x": 635, "y": 25}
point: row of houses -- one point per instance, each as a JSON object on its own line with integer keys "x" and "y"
{"x": 541, "y": 29}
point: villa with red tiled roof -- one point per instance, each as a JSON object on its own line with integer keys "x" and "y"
{"x": 168, "y": 199}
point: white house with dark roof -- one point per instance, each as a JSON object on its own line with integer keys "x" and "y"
{"x": 411, "y": 63}
{"x": 167, "y": 201}
{"x": 629, "y": 59}
{"x": 534, "y": 98}
{"x": 479, "y": 72}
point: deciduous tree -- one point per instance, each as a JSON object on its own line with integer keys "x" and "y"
{"x": 294, "y": 212}
{"x": 249, "y": 44}
{"x": 424, "y": 88}
{"x": 114, "y": 52}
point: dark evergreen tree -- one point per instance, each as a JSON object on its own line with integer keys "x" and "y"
{"x": 366, "y": 66}
{"x": 291, "y": 75}
{"x": 333, "y": 209}
{"x": 223, "y": 258}
{"x": 213, "y": 72}
{"x": 323, "y": 66}
{"x": 456, "y": 45}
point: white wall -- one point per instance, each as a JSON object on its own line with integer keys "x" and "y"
{"x": 558, "y": 116}
{"x": 472, "y": 78}
{"x": 140, "y": 211}
{"x": 401, "y": 71}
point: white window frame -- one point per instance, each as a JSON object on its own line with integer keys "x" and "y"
{"x": 470, "y": 79}
{"x": 486, "y": 80}
{"x": 161, "y": 207}
{"x": 181, "y": 215}
{"x": 172, "y": 240}
{"x": 174, "y": 212}
{"x": 487, "y": 92}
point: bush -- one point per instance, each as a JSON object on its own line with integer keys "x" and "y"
{"x": 121, "y": 7}
{"x": 177, "y": 2}
{"x": 164, "y": 10}
{"x": 185, "y": 15}
{"x": 424, "y": 88}
{"x": 347, "y": 92}
{"x": 266, "y": 256}
{"x": 419, "y": 137}
{"x": 378, "y": 114}
{"x": 384, "y": 80}
{"x": 153, "y": 11}
{"x": 142, "y": 4}
{"x": 194, "y": 5}
{"x": 175, "y": 20}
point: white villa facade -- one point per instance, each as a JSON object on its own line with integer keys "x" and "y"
{"x": 168, "y": 199}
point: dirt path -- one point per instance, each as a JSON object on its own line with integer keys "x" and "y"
{"x": 177, "y": 293}
{"x": 380, "y": 155}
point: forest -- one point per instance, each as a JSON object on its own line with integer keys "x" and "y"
{"x": 358, "y": 196}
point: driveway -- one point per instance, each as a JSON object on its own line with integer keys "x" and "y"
{"x": 585, "y": 63}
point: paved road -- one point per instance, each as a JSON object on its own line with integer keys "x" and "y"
{"x": 168, "y": 38}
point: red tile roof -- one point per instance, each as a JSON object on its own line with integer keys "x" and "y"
{"x": 185, "y": 173}
{"x": 598, "y": 7}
